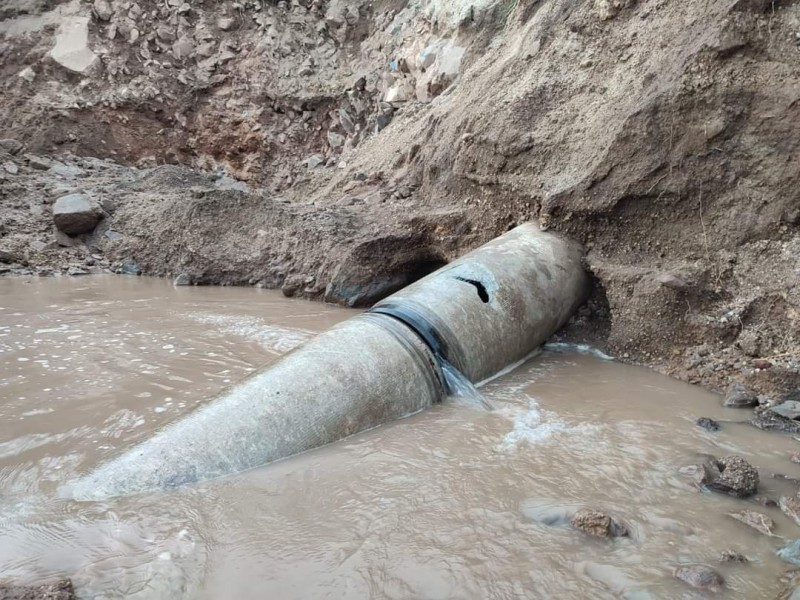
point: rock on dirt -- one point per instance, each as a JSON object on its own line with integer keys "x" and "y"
{"x": 739, "y": 396}
{"x": 598, "y": 524}
{"x": 72, "y": 45}
{"x": 10, "y": 145}
{"x": 700, "y": 576}
{"x": 75, "y": 214}
{"x": 38, "y": 162}
{"x": 61, "y": 590}
{"x": 759, "y": 522}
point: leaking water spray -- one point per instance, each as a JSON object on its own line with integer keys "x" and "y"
{"x": 461, "y": 324}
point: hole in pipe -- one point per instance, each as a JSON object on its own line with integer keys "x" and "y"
{"x": 482, "y": 293}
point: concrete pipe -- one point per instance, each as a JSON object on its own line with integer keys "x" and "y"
{"x": 481, "y": 313}
{"x": 495, "y": 305}
{"x": 359, "y": 374}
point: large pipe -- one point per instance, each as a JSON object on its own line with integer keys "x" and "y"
{"x": 495, "y": 305}
{"x": 481, "y": 313}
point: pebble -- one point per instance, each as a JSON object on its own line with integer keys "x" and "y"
{"x": 597, "y": 524}
{"x": 708, "y": 424}
{"x": 732, "y": 556}
{"x": 739, "y": 396}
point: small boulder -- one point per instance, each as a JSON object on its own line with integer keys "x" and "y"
{"x": 790, "y": 553}
{"x": 738, "y": 396}
{"x": 225, "y": 23}
{"x": 737, "y": 477}
{"x": 313, "y": 161}
{"x": 597, "y": 524}
{"x": 72, "y": 45}
{"x": 788, "y": 410}
{"x": 76, "y": 214}
{"x": 790, "y": 507}
{"x": 729, "y": 555}
{"x": 103, "y": 10}
{"x": 672, "y": 281}
{"x": 11, "y": 146}
{"x": 765, "y": 501}
{"x": 707, "y": 424}
{"x": 38, "y": 163}
{"x": 336, "y": 140}
{"x": 795, "y": 457}
{"x": 63, "y": 240}
{"x": 182, "y": 279}
{"x": 10, "y": 168}
{"x": 770, "y": 421}
{"x": 701, "y": 577}
{"x": 8, "y": 256}
{"x": 130, "y": 268}
{"x": 761, "y": 523}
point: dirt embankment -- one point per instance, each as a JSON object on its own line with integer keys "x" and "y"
{"x": 378, "y": 141}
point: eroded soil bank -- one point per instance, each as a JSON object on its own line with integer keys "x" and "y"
{"x": 338, "y": 149}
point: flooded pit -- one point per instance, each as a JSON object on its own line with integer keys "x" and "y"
{"x": 451, "y": 503}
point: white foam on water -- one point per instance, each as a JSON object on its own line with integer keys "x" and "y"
{"x": 531, "y": 426}
{"x": 579, "y": 348}
{"x": 37, "y": 411}
{"x": 271, "y": 337}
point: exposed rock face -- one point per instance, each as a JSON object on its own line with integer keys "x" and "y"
{"x": 76, "y": 214}
{"x": 701, "y": 577}
{"x": 597, "y": 524}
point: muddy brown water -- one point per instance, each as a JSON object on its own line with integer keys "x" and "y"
{"x": 455, "y": 502}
